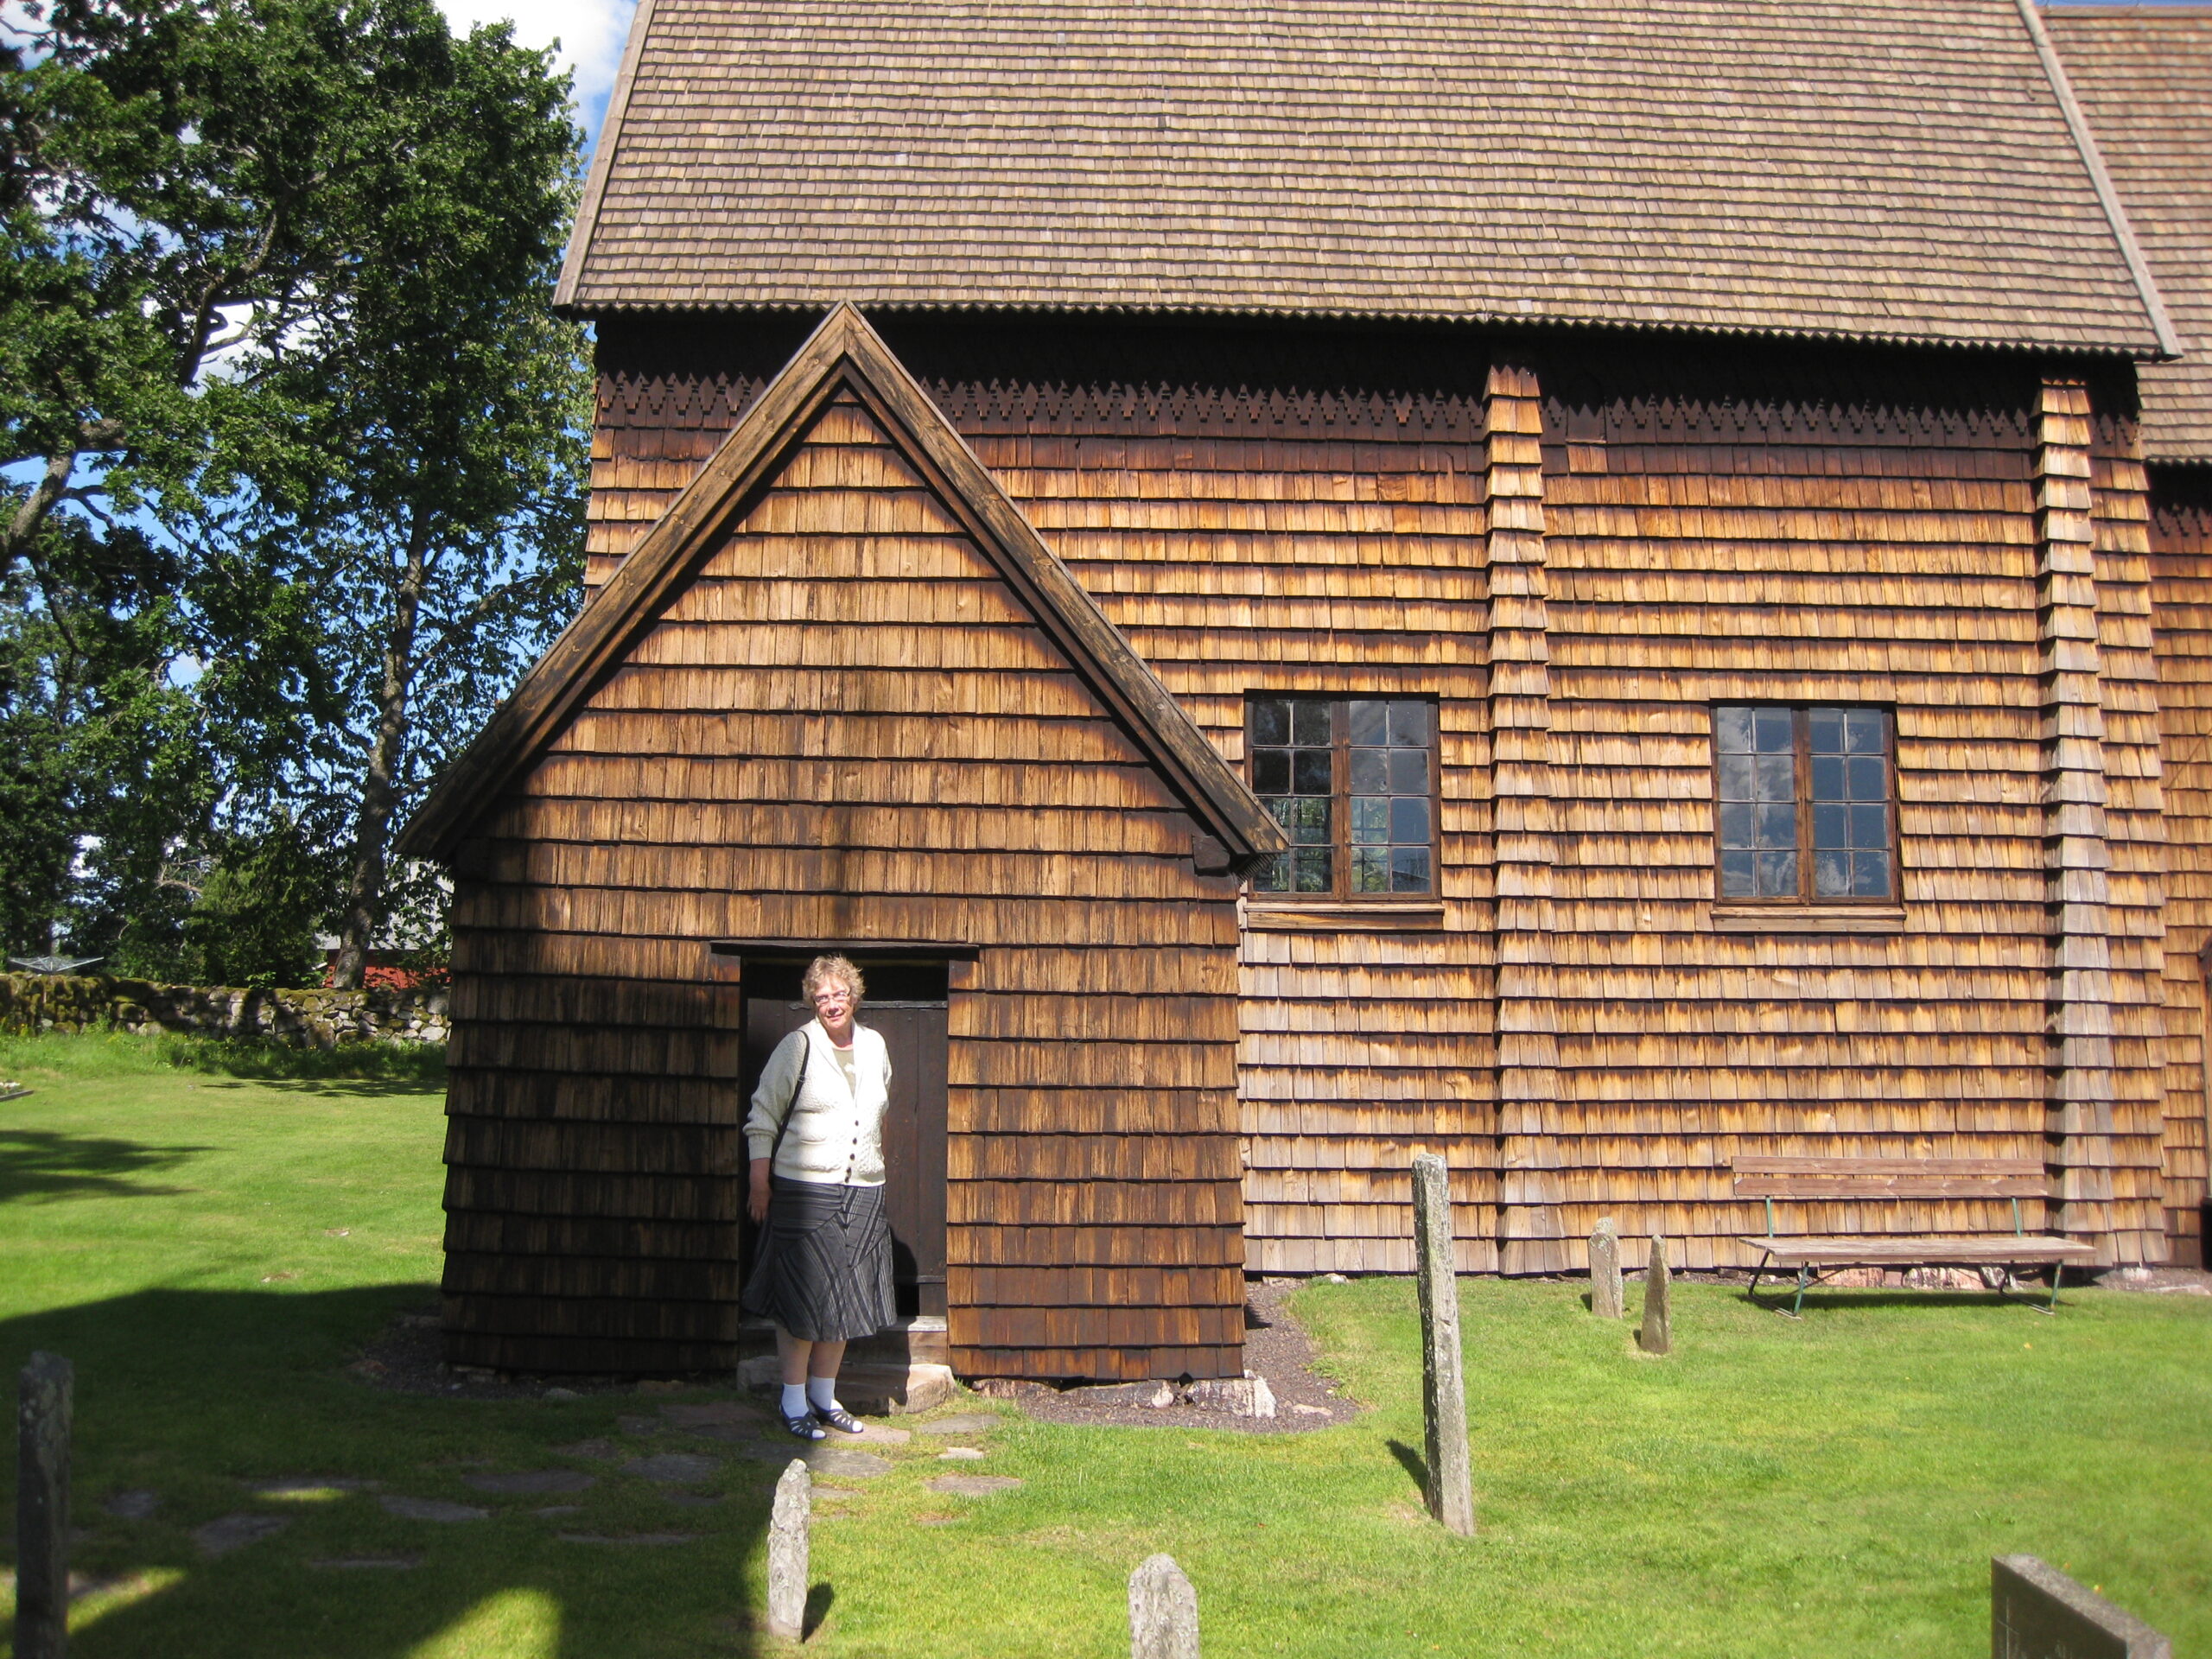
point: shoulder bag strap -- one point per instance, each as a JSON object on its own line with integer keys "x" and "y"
{"x": 791, "y": 1106}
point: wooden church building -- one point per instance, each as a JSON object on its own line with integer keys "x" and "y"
{"x": 1597, "y": 588}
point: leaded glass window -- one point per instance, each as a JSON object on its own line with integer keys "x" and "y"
{"x": 1804, "y": 804}
{"x": 1353, "y": 782}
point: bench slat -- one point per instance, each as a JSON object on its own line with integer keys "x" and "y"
{"x": 1921, "y": 1186}
{"x": 1933, "y": 1252}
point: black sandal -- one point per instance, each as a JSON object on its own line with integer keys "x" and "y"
{"x": 838, "y": 1418}
{"x": 803, "y": 1428}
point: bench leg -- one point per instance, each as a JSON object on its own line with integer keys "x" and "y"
{"x": 2051, "y": 1308}
{"x": 1751, "y": 1290}
{"x": 1797, "y": 1308}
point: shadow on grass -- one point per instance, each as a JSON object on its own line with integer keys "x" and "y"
{"x": 264, "y": 1062}
{"x": 2028, "y": 1295}
{"x": 196, "y": 1396}
{"x": 44, "y": 1166}
{"x": 1413, "y": 1464}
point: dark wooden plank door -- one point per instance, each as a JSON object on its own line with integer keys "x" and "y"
{"x": 913, "y": 1131}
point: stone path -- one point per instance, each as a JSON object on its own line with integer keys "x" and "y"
{"x": 220, "y": 1536}
{"x": 594, "y": 1451}
{"x": 673, "y": 1468}
{"x": 533, "y": 1480}
{"x": 744, "y": 1427}
{"x": 392, "y": 1563}
{"x": 430, "y": 1509}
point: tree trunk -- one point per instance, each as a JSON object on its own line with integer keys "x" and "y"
{"x": 364, "y": 885}
{"x": 29, "y": 517}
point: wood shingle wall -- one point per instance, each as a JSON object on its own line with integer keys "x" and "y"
{"x": 845, "y": 727}
{"x": 1581, "y": 1030}
{"x": 2181, "y": 563}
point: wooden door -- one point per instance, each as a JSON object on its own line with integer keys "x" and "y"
{"x": 913, "y": 1029}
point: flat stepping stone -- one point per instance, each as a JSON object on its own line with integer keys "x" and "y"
{"x": 968, "y": 1422}
{"x": 533, "y": 1480}
{"x": 826, "y": 1460}
{"x": 350, "y": 1563}
{"x": 713, "y": 1411}
{"x": 627, "y": 1538}
{"x": 132, "y": 1506}
{"x": 674, "y": 1467}
{"x": 430, "y": 1509}
{"x": 973, "y": 1485}
{"x": 220, "y": 1537}
{"x": 306, "y": 1486}
{"x": 872, "y": 1434}
{"x": 959, "y": 1454}
{"x": 552, "y": 1510}
{"x": 594, "y": 1451}
{"x": 641, "y": 1426}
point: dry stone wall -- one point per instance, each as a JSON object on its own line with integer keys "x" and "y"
{"x": 304, "y": 1018}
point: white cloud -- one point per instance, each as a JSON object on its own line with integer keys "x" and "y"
{"x": 591, "y": 33}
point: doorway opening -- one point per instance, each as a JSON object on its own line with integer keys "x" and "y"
{"x": 906, "y": 1003}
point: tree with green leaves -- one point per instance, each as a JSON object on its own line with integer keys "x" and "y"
{"x": 291, "y": 437}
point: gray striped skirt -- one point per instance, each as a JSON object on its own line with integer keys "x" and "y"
{"x": 823, "y": 1265}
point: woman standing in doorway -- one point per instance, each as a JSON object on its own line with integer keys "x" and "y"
{"x": 815, "y": 1135}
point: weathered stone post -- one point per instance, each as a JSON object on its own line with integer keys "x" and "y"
{"x": 2037, "y": 1612}
{"x": 1605, "y": 1270}
{"x": 1163, "y": 1611}
{"x": 1656, "y": 1335}
{"x": 42, "y": 1507}
{"x": 787, "y": 1549}
{"x": 1443, "y": 1388}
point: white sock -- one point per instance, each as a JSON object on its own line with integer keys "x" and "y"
{"x": 821, "y": 1391}
{"x": 794, "y": 1400}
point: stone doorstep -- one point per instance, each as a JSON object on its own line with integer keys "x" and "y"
{"x": 866, "y": 1390}
{"x": 920, "y": 1341}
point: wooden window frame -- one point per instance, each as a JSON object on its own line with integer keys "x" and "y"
{"x": 1804, "y": 900}
{"x": 1340, "y": 897}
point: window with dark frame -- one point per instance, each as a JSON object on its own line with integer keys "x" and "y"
{"x": 1353, "y": 781}
{"x": 1805, "y": 802}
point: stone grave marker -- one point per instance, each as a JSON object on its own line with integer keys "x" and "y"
{"x": 2037, "y": 1612}
{"x": 1605, "y": 1270}
{"x": 46, "y": 1394}
{"x": 1656, "y": 1335}
{"x": 788, "y": 1525}
{"x": 1163, "y": 1611}
{"x": 1443, "y": 1389}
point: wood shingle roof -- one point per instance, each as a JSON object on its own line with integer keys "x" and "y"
{"x": 1895, "y": 170}
{"x": 2144, "y": 76}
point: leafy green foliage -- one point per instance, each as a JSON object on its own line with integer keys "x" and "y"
{"x": 254, "y": 922}
{"x": 293, "y": 442}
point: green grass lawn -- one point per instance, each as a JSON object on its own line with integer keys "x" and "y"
{"x": 213, "y": 1249}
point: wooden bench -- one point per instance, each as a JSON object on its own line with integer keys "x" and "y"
{"x": 1860, "y": 1180}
